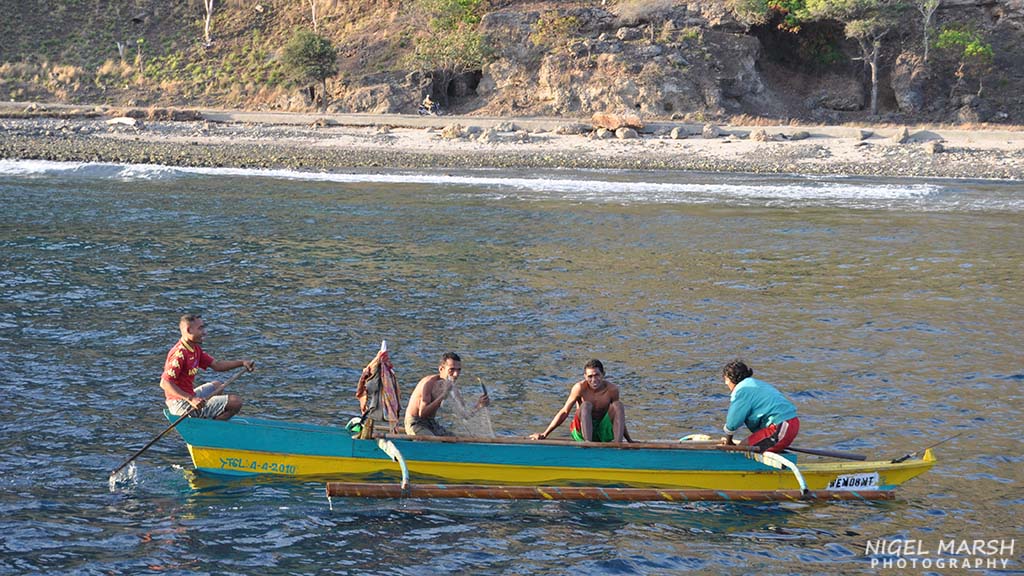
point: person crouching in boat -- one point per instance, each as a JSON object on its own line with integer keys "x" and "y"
{"x": 600, "y": 415}
{"x": 770, "y": 417}
{"x": 184, "y": 361}
{"x": 430, "y": 392}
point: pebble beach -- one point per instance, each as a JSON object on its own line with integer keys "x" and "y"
{"x": 333, "y": 143}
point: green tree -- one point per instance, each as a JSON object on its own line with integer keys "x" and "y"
{"x": 449, "y": 14}
{"x": 310, "y": 58}
{"x": 790, "y": 13}
{"x": 866, "y": 21}
{"x": 750, "y": 12}
{"x": 793, "y": 13}
{"x": 927, "y": 8}
{"x": 972, "y": 54}
{"x": 452, "y": 43}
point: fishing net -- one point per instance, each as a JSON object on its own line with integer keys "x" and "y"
{"x": 464, "y": 418}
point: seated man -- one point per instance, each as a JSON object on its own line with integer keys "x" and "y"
{"x": 430, "y": 392}
{"x": 600, "y": 416}
{"x": 183, "y": 362}
{"x": 767, "y": 413}
{"x": 428, "y": 107}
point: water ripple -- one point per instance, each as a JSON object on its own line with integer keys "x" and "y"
{"x": 891, "y": 327}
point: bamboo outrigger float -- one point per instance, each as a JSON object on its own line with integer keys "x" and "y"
{"x": 520, "y": 468}
{"x": 373, "y": 490}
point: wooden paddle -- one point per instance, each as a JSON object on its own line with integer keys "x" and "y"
{"x": 814, "y": 451}
{"x": 216, "y": 391}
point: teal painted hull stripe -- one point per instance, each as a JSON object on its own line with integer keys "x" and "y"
{"x": 269, "y": 436}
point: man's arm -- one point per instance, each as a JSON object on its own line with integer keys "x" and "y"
{"x": 222, "y": 365}
{"x": 171, "y": 389}
{"x": 734, "y": 418}
{"x": 436, "y": 391}
{"x": 562, "y": 414}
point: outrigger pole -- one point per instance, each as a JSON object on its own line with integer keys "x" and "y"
{"x": 446, "y": 491}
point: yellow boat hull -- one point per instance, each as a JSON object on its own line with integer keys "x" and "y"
{"x": 818, "y": 476}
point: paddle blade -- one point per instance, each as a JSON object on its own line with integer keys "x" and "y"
{"x": 123, "y": 475}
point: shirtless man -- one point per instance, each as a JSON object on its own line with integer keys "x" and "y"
{"x": 600, "y": 416}
{"x": 430, "y": 392}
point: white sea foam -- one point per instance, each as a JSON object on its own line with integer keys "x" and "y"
{"x": 590, "y": 187}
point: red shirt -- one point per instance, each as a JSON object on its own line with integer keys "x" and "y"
{"x": 183, "y": 363}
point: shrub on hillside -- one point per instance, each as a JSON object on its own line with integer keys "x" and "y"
{"x": 310, "y": 58}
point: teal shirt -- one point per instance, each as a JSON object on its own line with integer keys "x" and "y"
{"x": 757, "y": 404}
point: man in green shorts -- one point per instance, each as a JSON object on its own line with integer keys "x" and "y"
{"x": 600, "y": 416}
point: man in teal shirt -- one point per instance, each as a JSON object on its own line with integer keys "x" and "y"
{"x": 769, "y": 416}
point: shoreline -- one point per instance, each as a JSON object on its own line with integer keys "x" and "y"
{"x": 337, "y": 142}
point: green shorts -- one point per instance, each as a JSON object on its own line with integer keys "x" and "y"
{"x": 604, "y": 431}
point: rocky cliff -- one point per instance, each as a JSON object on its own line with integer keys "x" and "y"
{"x": 698, "y": 60}
{"x": 692, "y": 60}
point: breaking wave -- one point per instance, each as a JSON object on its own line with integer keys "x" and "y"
{"x": 606, "y": 186}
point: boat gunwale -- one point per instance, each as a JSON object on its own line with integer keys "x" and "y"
{"x": 509, "y": 440}
{"x": 655, "y": 445}
{"x": 927, "y": 460}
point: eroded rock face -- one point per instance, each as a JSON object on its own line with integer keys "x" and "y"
{"x": 699, "y": 61}
{"x": 713, "y": 15}
{"x": 679, "y": 66}
{"x": 735, "y": 66}
{"x": 909, "y": 76}
{"x": 380, "y": 94}
{"x": 840, "y": 93}
{"x": 376, "y": 99}
{"x": 1009, "y": 10}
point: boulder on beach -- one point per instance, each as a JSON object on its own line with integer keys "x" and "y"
{"x": 613, "y": 122}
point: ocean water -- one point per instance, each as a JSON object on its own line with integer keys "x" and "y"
{"x": 889, "y": 310}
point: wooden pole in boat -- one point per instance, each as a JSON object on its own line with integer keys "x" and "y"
{"x": 829, "y": 453}
{"x": 906, "y": 457}
{"x": 374, "y": 490}
{"x": 216, "y": 391}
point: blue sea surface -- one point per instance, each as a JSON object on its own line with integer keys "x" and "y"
{"x": 888, "y": 310}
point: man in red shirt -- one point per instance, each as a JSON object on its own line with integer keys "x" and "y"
{"x": 183, "y": 362}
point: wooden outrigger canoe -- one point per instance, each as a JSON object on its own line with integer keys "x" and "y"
{"x": 521, "y": 468}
